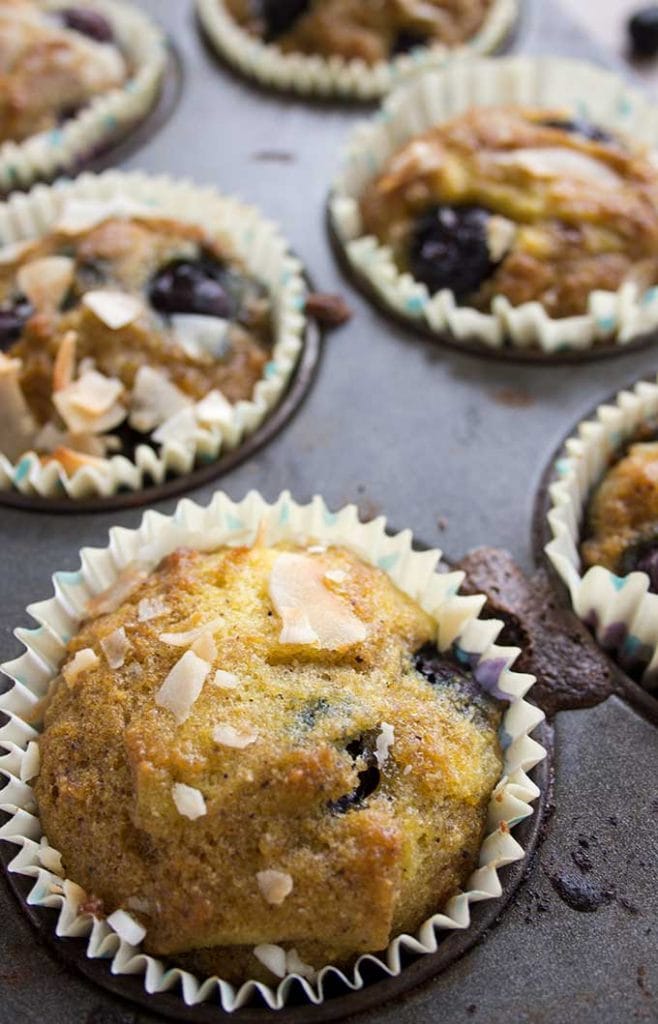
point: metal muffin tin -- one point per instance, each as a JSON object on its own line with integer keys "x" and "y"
{"x": 452, "y": 446}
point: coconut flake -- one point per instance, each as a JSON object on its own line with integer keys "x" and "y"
{"x": 310, "y": 612}
{"x": 18, "y": 427}
{"x": 316, "y": 549}
{"x": 151, "y": 608}
{"x": 225, "y": 680}
{"x": 90, "y": 404}
{"x": 335, "y": 576}
{"x": 114, "y": 309}
{"x": 127, "y": 582}
{"x": 295, "y": 965}
{"x": 154, "y": 399}
{"x": 127, "y": 928}
{"x": 559, "y": 162}
{"x": 82, "y": 661}
{"x": 64, "y": 365}
{"x": 501, "y": 233}
{"x": 273, "y": 957}
{"x": 183, "y": 685}
{"x": 182, "y": 427}
{"x": 189, "y": 637}
{"x": 205, "y": 647}
{"x": 201, "y": 336}
{"x": 385, "y": 741}
{"x": 46, "y": 281}
{"x": 238, "y": 739}
{"x": 115, "y": 647}
{"x": 189, "y": 801}
{"x": 214, "y": 410}
{"x": 275, "y": 886}
{"x": 30, "y": 762}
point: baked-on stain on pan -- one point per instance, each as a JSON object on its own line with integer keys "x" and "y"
{"x": 507, "y": 353}
{"x": 295, "y": 394}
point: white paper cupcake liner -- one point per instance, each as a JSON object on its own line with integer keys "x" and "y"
{"x": 620, "y": 610}
{"x": 335, "y": 76}
{"x": 265, "y": 253}
{"x": 224, "y": 522}
{"x": 107, "y": 117}
{"x": 582, "y": 89}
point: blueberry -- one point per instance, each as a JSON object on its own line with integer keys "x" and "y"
{"x": 642, "y": 557}
{"x": 13, "y": 317}
{"x": 449, "y": 249}
{"x": 408, "y": 40}
{"x": 88, "y": 23}
{"x": 311, "y": 712}
{"x": 643, "y": 31}
{"x": 193, "y": 286}
{"x": 581, "y": 127}
{"x": 454, "y": 682}
{"x": 280, "y": 15}
{"x": 369, "y": 777}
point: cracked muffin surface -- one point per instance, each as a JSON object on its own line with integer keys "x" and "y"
{"x": 261, "y": 747}
{"x": 522, "y": 203}
{"x": 367, "y": 30}
{"x": 53, "y": 61}
{"x": 113, "y": 332}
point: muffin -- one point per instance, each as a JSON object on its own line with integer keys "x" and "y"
{"x": 350, "y": 48}
{"x": 284, "y": 754}
{"x": 509, "y": 203}
{"x": 147, "y": 327}
{"x": 621, "y": 526}
{"x": 73, "y": 77}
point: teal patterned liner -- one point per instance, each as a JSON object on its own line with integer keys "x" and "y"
{"x": 335, "y": 76}
{"x": 620, "y": 610}
{"x": 582, "y": 89}
{"x": 107, "y": 116}
{"x": 225, "y": 522}
{"x": 266, "y": 255}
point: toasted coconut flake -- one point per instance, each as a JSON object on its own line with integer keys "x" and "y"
{"x": 501, "y": 233}
{"x": 115, "y": 309}
{"x": 82, "y": 661}
{"x": 17, "y": 425}
{"x": 273, "y": 957}
{"x": 189, "y": 801}
{"x": 335, "y": 576}
{"x": 214, "y": 410}
{"x": 50, "y": 858}
{"x": 385, "y": 741}
{"x": 182, "y": 427}
{"x": 238, "y": 739}
{"x": 127, "y": 928}
{"x": 115, "y": 647}
{"x": 46, "y": 281}
{"x": 225, "y": 680}
{"x": 151, "y": 608}
{"x": 154, "y": 399}
{"x": 183, "y": 685}
{"x": 306, "y": 606}
{"x": 91, "y": 404}
{"x": 201, "y": 336}
{"x": 316, "y": 549}
{"x": 205, "y": 647}
{"x": 275, "y": 886}
{"x": 559, "y": 162}
{"x": 31, "y": 762}
{"x": 64, "y": 366}
{"x": 127, "y": 582}
{"x": 188, "y": 638}
{"x": 71, "y": 460}
{"x": 295, "y": 965}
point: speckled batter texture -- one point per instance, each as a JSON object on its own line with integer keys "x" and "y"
{"x": 372, "y": 843}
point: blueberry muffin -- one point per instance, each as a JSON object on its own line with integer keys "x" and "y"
{"x": 113, "y": 334}
{"x": 522, "y": 203}
{"x": 368, "y": 30}
{"x": 53, "y": 61}
{"x": 622, "y": 516}
{"x": 259, "y": 754}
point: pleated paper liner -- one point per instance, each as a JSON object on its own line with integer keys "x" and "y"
{"x": 614, "y": 320}
{"x": 267, "y": 257}
{"x": 108, "y": 117}
{"x": 224, "y": 522}
{"x": 336, "y": 77}
{"x": 621, "y": 611}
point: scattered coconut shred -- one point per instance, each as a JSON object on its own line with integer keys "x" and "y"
{"x": 239, "y": 739}
{"x": 385, "y": 741}
{"x": 190, "y": 802}
{"x": 275, "y": 886}
{"x": 151, "y": 608}
{"x": 81, "y": 662}
{"x": 183, "y": 685}
{"x": 280, "y": 962}
{"x": 115, "y": 647}
{"x": 310, "y": 613}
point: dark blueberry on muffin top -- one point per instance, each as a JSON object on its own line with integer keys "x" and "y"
{"x": 89, "y": 23}
{"x": 279, "y": 15}
{"x": 192, "y": 286}
{"x": 13, "y": 317}
{"x": 579, "y": 126}
{"x": 449, "y": 249}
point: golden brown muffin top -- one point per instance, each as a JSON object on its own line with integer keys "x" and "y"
{"x": 48, "y": 70}
{"x": 264, "y": 763}
{"x": 566, "y": 213}
{"x": 368, "y": 30}
{"x": 101, "y": 329}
